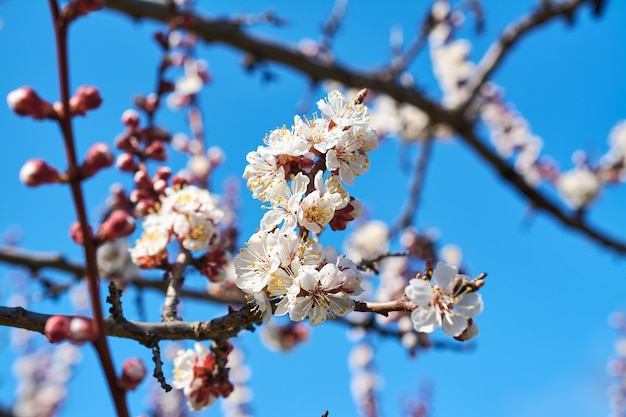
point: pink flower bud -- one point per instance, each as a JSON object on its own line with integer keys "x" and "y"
{"x": 86, "y": 98}
{"x": 98, "y": 156}
{"x": 152, "y": 101}
{"x": 86, "y": 6}
{"x": 25, "y": 102}
{"x": 130, "y": 118}
{"x": 36, "y": 172}
{"x": 76, "y": 233}
{"x": 142, "y": 180}
{"x": 57, "y": 328}
{"x": 163, "y": 173}
{"x": 216, "y": 156}
{"x": 133, "y": 372}
{"x": 138, "y": 195}
{"x": 81, "y": 330}
{"x": 181, "y": 179}
{"x": 126, "y": 163}
{"x": 159, "y": 186}
{"x": 156, "y": 150}
{"x": 126, "y": 142}
{"x": 119, "y": 224}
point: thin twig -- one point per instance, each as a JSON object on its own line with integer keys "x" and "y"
{"x": 496, "y": 53}
{"x": 407, "y": 218}
{"x": 158, "y": 366}
{"x": 115, "y": 300}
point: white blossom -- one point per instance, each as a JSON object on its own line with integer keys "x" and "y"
{"x": 579, "y": 187}
{"x": 261, "y": 172}
{"x": 447, "y": 303}
{"x": 317, "y": 294}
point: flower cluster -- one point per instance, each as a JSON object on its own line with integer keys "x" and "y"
{"x": 189, "y": 215}
{"x": 451, "y": 302}
{"x": 198, "y": 374}
{"x": 311, "y": 282}
{"x": 336, "y": 143}
{"x": 301, "y": 174}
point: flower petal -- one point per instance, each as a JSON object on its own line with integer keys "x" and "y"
{"x": 470, "y": 305}
{"x": 424, "y": 319}
{"x": 444, "y": 274}
{"x": 419, "y": 292}
{"x": 454, "y": 324}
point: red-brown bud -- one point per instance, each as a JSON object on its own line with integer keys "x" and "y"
{"x": 36, "y": 172}
{"x": 86, "y": 98}
{"x": 142, "y": 180}
{"x": 133, "y": 372}
{"x": 163, "y": 173}
{"x": 76, "y": 233}
{"x": 352, "y": 211}
{"x": 119, "y": 224}
{"x": 130, "y": 118}
{"x": 57, "y": 329}
{"x": 225, "y": 388}
{"x": 126, "y": 163}
{"x": 126, "y": 142}
{"x": 25, "y": 102}
{"x": 156, "y": 150}
{"x": 98, "y": 156}
{"x": 138, "y": 195}
{"x": 81, "y": 330}
{"x": 181, "y": 179}
{"x": 151, "y": 103}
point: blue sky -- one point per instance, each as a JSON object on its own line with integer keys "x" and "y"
{"x": 544, "y": 336}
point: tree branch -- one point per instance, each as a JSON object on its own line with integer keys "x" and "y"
{"x": 36, "y": 261}
{"x": 146, "y": 332}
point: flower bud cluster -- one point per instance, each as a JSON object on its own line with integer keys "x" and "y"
{"x": 300, "y": 173}
{"x": 188, "y": 214}
{"x": 140, "y": 143}
{"x": 202, "y": 375}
